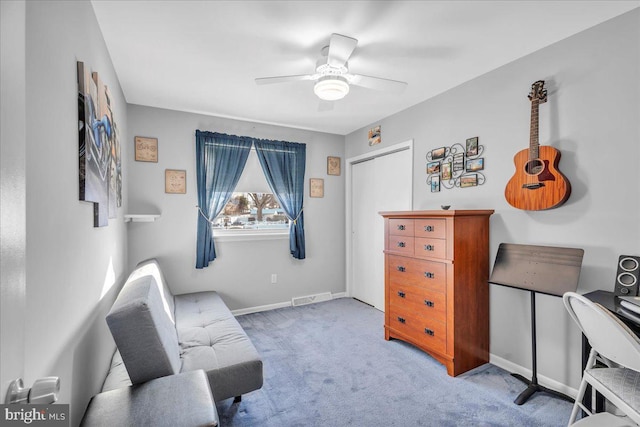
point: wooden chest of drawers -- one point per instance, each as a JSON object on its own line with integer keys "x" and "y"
{"x": 436, "y": 284}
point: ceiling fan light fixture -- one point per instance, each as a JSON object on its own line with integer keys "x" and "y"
{"x": 331, "y": 88}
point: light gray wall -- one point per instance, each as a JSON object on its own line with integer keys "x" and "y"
{"x": 242, "y": 271}
{"x": 72, "y": 269}
{"x": 12, "y": 192}
{"x": 592, "y": 117}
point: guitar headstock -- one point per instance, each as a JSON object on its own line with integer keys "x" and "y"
{"x": 538, "y": 92}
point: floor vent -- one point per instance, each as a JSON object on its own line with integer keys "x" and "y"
{"x": 309, "y": 299}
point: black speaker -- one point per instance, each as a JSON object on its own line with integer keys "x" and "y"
{"x": 627, "y": 276}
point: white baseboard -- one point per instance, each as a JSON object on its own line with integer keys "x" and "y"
{"x": 525, "y": 372}
{"x": 248, "y": 310}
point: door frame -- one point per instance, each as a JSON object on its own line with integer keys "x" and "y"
{"x": 402, "y": 146}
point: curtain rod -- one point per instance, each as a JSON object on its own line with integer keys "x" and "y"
{"x": 219, "y": 144}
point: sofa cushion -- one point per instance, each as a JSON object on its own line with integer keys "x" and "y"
{"x": 143, "y": 331}
{"x": 117, "y": 376}
{"x": 212, "y": 339}
{"x": 150, "y": 267}
{"x": 173, "y": 401}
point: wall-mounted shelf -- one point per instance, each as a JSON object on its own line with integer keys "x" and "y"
{"x": 141, "y": 217}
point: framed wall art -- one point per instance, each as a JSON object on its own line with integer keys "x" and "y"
{"x": 457, "y": 165}
{"x": 316, "y": 187}
{"x": 433, "y": 167}
{"x": 100, "y": 164}
{"x": 438, "y": 153}
{"x": 458, "y": 162}
{"x": 175, "y": 181}
{"x": 470, "y": 180}
{"x": 475, "y": 164}
{"x": 146, "y": 149}
{"x": 435, "y": 184}
{"x": 445, "y": 170}
{"x": 374, "y": 136}
{"x": 333, "y": 166}
{"x": 472, "y": 146}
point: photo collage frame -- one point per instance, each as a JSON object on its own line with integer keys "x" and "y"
{"x": 456, "y": 166}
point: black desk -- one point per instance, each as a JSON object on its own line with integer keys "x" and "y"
{"x": 609, "y": 301}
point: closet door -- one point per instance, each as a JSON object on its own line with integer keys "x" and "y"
{"x": 379, "y": 184}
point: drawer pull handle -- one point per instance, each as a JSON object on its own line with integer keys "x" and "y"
{"x": 401, "y": 244}
{"x": 401, "y": 294}
{"x": 401, "y": 269}
{"x": 429, "y": 228}
{"x": 429, "y": 247}
{"x": 401, "y": 227}
{"x": 401, "y": 319}
{"x": 429, "y": 332}
{"x": 429, "y": 275}
{"x": 429, "y": 303}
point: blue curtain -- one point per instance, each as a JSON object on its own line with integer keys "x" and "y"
{"x": 283, "y": 164}
{"x": 220, "y": 160}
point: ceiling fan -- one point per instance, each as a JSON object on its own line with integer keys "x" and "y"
{"x": 332, "y": 74}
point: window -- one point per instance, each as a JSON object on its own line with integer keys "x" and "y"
{"x": 252, "y": 211}
{"x": 220, "y": 165}
{"x": 252, "y": 206}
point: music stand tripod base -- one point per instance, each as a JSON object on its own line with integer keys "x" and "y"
{"x": 533, "y": 387}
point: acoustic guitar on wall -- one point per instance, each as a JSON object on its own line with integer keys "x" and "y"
{"x": 537, "y": 183}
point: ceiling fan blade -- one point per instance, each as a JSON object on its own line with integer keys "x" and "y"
{"x": 340, "y": 49}
{"x": 283, "y": 79}
{"x": 325, "y": 105}
{"x": 377, "y": 83}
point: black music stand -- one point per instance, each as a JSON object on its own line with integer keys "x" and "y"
{"x": 544, "y": 269}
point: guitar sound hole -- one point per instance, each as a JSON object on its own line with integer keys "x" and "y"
{"x": 534, "y": 167}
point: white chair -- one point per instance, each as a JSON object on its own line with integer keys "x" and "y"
{"x": 619, "y": 348}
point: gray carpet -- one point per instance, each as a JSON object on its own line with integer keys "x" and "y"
{"x": 328, "y": 364}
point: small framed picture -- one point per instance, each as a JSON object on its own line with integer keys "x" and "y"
{"x": 374, "y": 136}
{"x": 433, "y": 167}
{"x": 438, "y": 153}
{"x": 472, "y": 146}
{"x": 146, "y": 149}
{"x": 458, "y": 162}
{"x": 435, "y": 183}
{"x": 445, "y": 170}
{"x": 470, "y": 180}
{"x": 475, "y": 164}
{"x": 333, "y": 166}
{"x": 175, "y": 181}
{"x": 316, "y": 187}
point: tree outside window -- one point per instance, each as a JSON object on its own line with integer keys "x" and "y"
{"x": 252, "y": 211}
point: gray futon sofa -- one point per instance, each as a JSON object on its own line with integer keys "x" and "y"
{"x": 158, "y": 334}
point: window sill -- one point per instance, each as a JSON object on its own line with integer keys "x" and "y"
{"x": 238, "y": 236}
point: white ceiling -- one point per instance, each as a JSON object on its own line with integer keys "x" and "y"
{"x": 203, "y": 56}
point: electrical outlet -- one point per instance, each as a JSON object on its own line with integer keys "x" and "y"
{"x": 274, "y": 278}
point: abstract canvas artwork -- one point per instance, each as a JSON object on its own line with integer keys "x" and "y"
{"x": 100, "y": 169}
